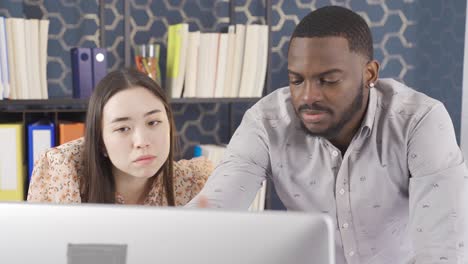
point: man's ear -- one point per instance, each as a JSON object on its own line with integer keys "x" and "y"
{"x": 371, "y": 74}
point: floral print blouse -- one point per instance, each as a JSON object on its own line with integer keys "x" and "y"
{"x": 56, "y": 178}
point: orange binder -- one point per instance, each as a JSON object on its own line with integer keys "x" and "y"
{"x": 70, "y": 131}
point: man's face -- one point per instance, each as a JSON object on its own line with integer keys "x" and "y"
{"x": 326, "y": 82}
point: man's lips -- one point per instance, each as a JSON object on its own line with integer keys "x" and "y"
{"x": 313, "y": 116}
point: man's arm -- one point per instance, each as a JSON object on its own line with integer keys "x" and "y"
{"x": 437, "y": 190}
{"x": 236, "y": 180}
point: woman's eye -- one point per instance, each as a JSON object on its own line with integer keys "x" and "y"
{"x": 154, "y": 123}
{"x": 122, "y": 129}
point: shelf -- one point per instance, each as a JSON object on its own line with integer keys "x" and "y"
{"x": 80, "y": 105}
{"x": 50, "y": 105}
{"x": 214, "y": 100}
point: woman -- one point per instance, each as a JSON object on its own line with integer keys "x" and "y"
{"x": 126, "y": 155}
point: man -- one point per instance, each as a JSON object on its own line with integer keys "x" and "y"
{"x": 377, "y": 156}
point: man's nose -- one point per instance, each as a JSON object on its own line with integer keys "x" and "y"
{"x": 312, "y": 92}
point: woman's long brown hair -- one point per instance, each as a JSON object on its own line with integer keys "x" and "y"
{"x": 97, "y": 184}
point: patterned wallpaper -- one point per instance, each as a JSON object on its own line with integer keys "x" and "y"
{"x": 418, "y": 42}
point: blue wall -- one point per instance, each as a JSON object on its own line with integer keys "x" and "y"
{"x": 418, "y": 42}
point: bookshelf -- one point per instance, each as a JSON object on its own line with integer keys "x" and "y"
{"x": 56, "y": 109}
{"x": 80, "y": 105}
{"x": 24, "y": 111}
{"x": 60, "y": 106}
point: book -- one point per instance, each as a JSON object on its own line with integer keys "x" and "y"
{"x": 69, "y": 131}
{"x": 11, "y": 62}
{"x": 206, "y": 66}
{"x": 238, "y": 61}
{"x": 43, "y": 41}
{"x": 262, "y": 57}
{"x": 250, "y": 61}
{"x": 31, "y": 27}
{"x": 220, "y": 73}
{"x": 229, "y": 60}
{"x": 191, "y": 70}
{"x": 20, "y": 58}
{"x": 41, "y": 136}
{"x": 4, "y": 72}
{"x": 258, "y": 203}
{"x": 176, "y": 58}
{"x": 11, "y": 162}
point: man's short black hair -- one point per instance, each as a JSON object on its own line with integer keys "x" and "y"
{"x": 337, "y": 21}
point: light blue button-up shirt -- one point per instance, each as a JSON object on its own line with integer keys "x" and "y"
{"x": 397, "y": 195}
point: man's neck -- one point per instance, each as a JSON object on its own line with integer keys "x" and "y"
{"x": 344, "y": 138}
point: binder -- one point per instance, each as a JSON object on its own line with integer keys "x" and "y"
{"x": 11, "y": 162}
{"x": 70, "y": 131}
{"x": 99, "y": 64}
{"x": 41, "y": 136}
{"x": 81, "y": 62}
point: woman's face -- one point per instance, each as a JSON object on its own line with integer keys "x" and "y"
{"x": 136, "y": 133}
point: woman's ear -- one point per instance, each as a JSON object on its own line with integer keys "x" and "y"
{"x": 104, "y": 152}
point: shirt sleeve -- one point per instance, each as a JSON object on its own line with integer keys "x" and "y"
{"x": 437, "y": 190}
{"x": 236, "y": 180}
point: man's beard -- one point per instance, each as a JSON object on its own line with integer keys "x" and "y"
{"x": 348, "y": 114}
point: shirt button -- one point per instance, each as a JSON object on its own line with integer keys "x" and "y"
{"x": 342, "y": 191}
{"x": 335, "y": 153}
{"x": 345, "y": 225}
{"x": 351, "y": 253}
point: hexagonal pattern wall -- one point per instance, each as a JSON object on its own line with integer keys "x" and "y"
{"x": 418, "y": 42}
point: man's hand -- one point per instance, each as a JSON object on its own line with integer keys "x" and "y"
{"x": 202, "y": 202}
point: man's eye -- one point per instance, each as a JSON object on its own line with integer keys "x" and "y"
{"x": 295, "y": 82}
{"x": 328, "y": 81}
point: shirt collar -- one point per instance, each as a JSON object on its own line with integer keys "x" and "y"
{"x": 368, "y": 122}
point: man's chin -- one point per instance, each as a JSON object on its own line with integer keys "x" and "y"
{"x": 319, "y": 130}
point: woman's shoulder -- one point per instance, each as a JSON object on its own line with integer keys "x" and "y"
{"x": 200, "y": 167}
{"x": 56, "y": 174}
{"x": 189, "y": 178}
{"x": 72, "y": 150}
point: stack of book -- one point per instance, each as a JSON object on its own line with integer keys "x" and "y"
{"x": 231, "y": 64}
{"x": 23, "y": 58}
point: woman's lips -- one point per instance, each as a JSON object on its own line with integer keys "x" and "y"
{"x": 142, "y": 160}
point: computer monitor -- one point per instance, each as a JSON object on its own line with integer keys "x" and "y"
{"x": 118, "y": 234}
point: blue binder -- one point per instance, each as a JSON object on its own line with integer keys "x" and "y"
{"x": 99, "y": 64}
{"x": 82, "y": 72}
{"x": 41, "y": 136}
